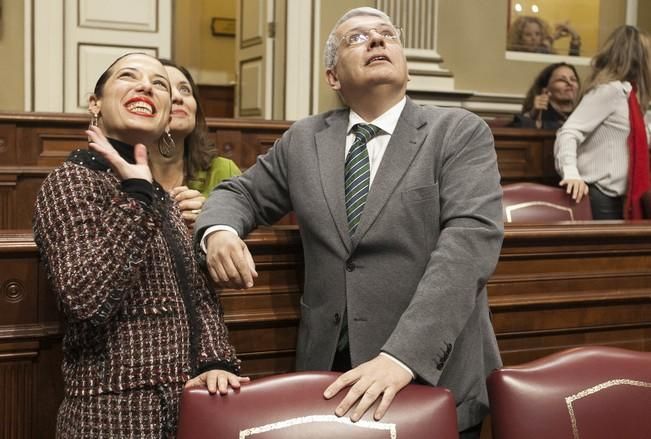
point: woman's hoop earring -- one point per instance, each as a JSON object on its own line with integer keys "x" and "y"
{"x": 166, "y": 145}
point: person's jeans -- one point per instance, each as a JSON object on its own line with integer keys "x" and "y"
{"x": 605, "y": 207}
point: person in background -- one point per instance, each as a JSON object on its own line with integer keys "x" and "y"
{"x": 141, "y": 321}
{"x": 550, "y": 99}
{"x": 602, "y": 149}
{"x": 532, "y": 34}
{"x": 400, "y": 214}
{"x": 188, "y": 166}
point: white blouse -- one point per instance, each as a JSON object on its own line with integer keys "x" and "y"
{"x": 592, "y": 144}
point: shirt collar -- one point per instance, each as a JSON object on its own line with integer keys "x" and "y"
{"x": 386, "y": 122}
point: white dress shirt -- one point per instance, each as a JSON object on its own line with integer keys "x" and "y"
{"x": 376, "y": 146}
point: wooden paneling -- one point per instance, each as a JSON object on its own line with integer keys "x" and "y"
{"x": 30, "y": 342}
{"x": 217, "y": 100}
{"x": 32, "y": 144}
{"x": 555, "y": 286}
{"x": 525, "y": 155}
{"x": 559, "y": 286}
{"x": 15, "y": 399}
{"x": 7, "y": 142}
{"x": 263, "y": 320}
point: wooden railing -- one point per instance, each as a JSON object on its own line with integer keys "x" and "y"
{"x": 32, "y": 144}
{"x": 555, "y": 286}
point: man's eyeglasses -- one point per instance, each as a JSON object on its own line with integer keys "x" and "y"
{"x": 357, "y": 37}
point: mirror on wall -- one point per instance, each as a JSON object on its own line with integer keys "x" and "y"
{"x": 539, "y": 29}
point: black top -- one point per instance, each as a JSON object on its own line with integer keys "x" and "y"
{"x": 140, "y": 189}
{"x": 551, "y": 120}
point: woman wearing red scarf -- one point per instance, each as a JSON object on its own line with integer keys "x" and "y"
{"x": 602, "y": 150}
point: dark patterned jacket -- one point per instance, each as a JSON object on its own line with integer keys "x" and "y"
{"x": 138, "y": 310}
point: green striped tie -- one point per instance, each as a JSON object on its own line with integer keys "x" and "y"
{"x": 357, "y": 175}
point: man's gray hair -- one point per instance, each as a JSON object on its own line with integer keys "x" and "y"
{"x": 332, "y": 43}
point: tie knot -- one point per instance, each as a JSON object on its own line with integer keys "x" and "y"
{"x": 365, "y": 132}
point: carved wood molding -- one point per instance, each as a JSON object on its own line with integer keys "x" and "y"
{"x": 31, "y": 331}
{"x": 16, "y": 380}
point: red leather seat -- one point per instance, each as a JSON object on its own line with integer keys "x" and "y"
{"x": 590, "y": 392}
{"x": 292, "y": 406}
{"x": 537, "y": 203}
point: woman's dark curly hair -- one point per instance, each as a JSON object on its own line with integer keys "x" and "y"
{"x": 198, "y": 151}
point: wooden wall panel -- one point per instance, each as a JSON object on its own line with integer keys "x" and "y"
{"x": 32, "y": 144}
{"x": 17, "y": 280}
{"x": 7, "y": 142}
{"x": 7, "y": 201}
{"x": 217, "y": 100}
{"x": 16, "y": 396}
{"x": 556, "y": 286}
{"x": 525, "y": 155}
{"x": 560, "y": 286}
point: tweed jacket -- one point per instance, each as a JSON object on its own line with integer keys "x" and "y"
{"x": 411, "y": 280}
{"x": 138, "y": 311}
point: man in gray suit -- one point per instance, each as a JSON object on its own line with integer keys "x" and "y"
{"x": 399, "y": 208}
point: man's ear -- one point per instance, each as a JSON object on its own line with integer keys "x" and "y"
{"x": 94, "y": 105}
{"x": 333, "y": 81}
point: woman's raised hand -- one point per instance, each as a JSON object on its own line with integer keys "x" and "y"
{"x": 541, "y": 101}
{"x": 123, "y": 169}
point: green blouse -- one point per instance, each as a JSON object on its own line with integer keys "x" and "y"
{"x": 220, "y": 169}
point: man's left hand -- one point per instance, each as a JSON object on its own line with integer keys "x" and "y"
{"x": 380, "y": 377}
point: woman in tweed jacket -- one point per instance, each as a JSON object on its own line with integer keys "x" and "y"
{"x": 140, "y": 318}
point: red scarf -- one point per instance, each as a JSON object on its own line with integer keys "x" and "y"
{"x": 638, "y": 163}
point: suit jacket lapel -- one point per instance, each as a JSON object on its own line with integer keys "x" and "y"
{"x": 405, "y": 143}
{"x": 330, "y": 147}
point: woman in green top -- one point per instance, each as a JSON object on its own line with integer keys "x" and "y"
{"x": 184, "y": 163}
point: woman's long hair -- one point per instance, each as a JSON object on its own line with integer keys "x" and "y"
{"x": 625, "y": 56}
{"x": 198, "y": 151}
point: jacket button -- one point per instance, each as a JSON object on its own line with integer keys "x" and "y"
{"x": 337, "y": 318}
{"x": 350, "y": 266}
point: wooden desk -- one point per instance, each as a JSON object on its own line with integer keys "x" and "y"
{"x": 558, "y": 286}
{"x": 525, "y": 155}
{"x": 555, "y": 286}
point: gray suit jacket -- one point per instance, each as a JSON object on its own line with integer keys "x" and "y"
{"x": 413, "y": 277}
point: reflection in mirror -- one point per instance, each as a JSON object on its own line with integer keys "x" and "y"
{"x": 561, "y": 27}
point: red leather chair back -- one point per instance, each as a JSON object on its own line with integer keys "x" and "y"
{"x": 537, "y": 203}
{"x": 590, "y": 392}
{"x": 291, "y": 406}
